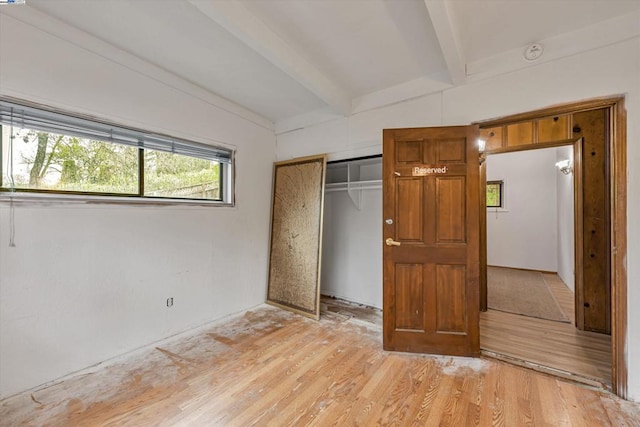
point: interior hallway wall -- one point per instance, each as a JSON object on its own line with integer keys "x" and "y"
{"x": 566, "y": 232}
{"x": 524, "y": 234}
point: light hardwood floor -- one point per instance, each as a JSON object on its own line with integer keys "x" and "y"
{"x": 269, "y": 367}
{"x": 555, "y": 345}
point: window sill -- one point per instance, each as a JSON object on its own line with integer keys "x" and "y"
{"x": 51, "y": 199}
{"x": 497, "y": 210}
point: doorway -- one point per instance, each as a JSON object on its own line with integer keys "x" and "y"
{"x": 530, "y": 258}
{"x": 557, "y": 126}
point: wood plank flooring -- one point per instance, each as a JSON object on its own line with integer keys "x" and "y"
{"x": 269, "y": 367}
{"x": 556, "y": 345}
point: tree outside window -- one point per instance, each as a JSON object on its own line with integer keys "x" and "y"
{"x": 44, "y": 161}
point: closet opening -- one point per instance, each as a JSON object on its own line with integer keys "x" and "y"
{"x": 352, "y": 232}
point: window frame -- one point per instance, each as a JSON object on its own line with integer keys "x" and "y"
{"x": 226, "y": 175}
{"x": 500, "y": 184}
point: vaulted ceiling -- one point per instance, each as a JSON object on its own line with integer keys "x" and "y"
{"x": 293, "y": 61}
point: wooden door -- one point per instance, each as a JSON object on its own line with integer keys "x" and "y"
{"x": 431, "y": 240}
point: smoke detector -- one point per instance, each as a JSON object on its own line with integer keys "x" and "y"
{"x": 533, "y": 52}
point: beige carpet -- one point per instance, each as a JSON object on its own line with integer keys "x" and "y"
{"x": 522, "y": 292}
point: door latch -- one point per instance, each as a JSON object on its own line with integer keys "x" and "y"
{"x": 391, "y": 242}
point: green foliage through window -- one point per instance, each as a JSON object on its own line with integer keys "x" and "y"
{"x": 173, "y": 175}
{"x": 495, "y": 197}
{"x": 44, "y": 161}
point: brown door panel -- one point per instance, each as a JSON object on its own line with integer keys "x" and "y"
{"x": 431, "y": 263}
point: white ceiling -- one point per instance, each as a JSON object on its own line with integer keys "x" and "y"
{"x": 293, "y": 58}
{"x": 362, "y": 44}
{"x": 488, "y": 27}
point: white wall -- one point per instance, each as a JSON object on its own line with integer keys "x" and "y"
{"x": 611, "y": 70}
{"x": 352, "y": 244}
{"x": 525, "y": 233}
{"x": 566, "y": 234}
{"x": 89, "y": 282}
{"x": 352, "y": 248}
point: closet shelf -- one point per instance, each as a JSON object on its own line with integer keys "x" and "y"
{"x": 374, "y": 184}
{"x": 349, "y": 177}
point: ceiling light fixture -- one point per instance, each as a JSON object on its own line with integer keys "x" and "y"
{"x": 533, "y": 52}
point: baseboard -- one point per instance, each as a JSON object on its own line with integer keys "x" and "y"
{"x": 524, "y": 269}
{"x": 333, "y": 295}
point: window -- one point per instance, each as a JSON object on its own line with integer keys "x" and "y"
{"x": 495, "y": 196}
{"x": 47, "y": 151}
{"x": 173, "y": 175}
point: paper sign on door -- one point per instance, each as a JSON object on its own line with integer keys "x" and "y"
{"x": 424, "y": 170}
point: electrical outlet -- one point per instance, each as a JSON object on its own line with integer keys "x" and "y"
{"x": 169, "y": 302}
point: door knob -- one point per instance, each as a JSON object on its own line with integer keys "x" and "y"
{"x": 391, "y": 242}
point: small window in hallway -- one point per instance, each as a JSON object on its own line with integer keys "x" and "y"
{"x": 495, "y": 197}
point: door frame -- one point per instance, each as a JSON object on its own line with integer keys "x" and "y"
{"x": 617, "y": 169}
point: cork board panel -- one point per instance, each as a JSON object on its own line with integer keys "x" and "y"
{"x": 296, "y": 235}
